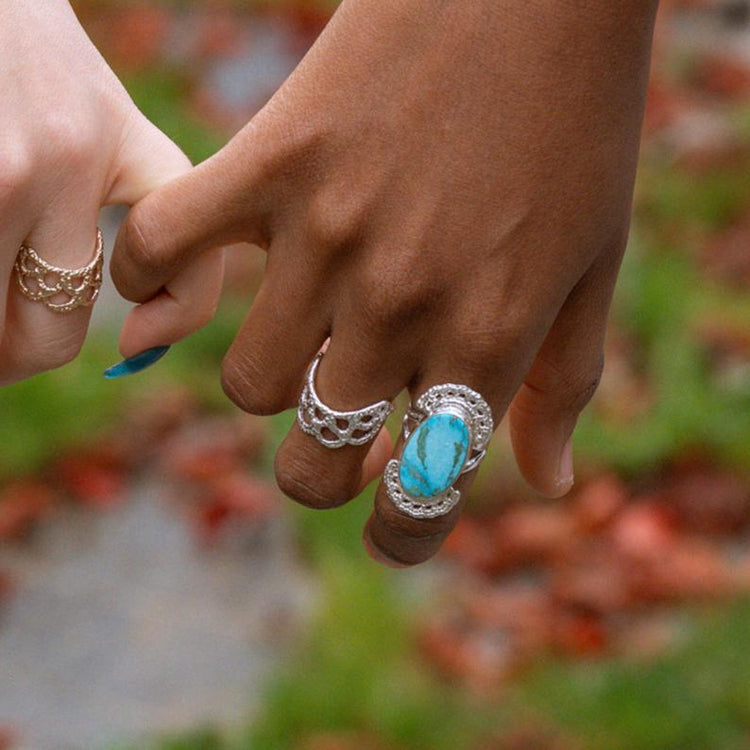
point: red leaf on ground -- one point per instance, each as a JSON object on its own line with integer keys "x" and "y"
{"x": 726, "y": 255}
{"x": 234, "y": 498}
{"x": 594, "y": 579}
{"x": 210, "y": 448}
{"x": 579, "y": 633}
{"x": 219, "y": 32}
{"x": 597, "y": 503}
{"x": 645, "y": 529}
{"x": 691, "y": 570}
{"x": 709, "y": 501}
{"x": 480, "y": 659}
{"x": 134, "y": 37}
{"x": 93, "y": 479}
{"x": 523, "y": 611}
{"x": 8, "y": 737}
{"x": 245, "y": 495}
{"x": 722, "y": 75}
{"x": 154, "y": 417}
{"x": 532, "y": 534}
{"x": 665, "y": 105}
{"x": 472, "y": 546}
{"x": 307, "y": 21}
{"x": 649, "y": 634}
{"x": 725, "y": 336}
{"x": 21, "y": 505}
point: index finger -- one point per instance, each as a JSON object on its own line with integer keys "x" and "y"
{"x": 203, "y": 209}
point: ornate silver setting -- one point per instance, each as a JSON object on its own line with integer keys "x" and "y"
{"x": 335, "y": 429}
{"x": 449, "y": 398}
{"x": 417, "y": 508}
{"x": 40, "y": 281}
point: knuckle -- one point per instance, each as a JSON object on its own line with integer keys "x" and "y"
{"x": 486, "y": 346}
{"x": 284, "y": 147}
{"x": 408, "y": 541}
{"x": 300, "y": 478}
{"x": 425, "y": 531}
{"x": 16, "y": 169}
{"x": 582, "y": 388}
{"x": 247, "y": 386}
{"x": 53, "y": 354}
{"x": 503, "y": 324}
{"x": 69, "y": 136}
{"x": 336, "y": 220}
{"x": 567, "y": 387}
{"x": 576, "y": 386}
{"x": 140, "y": 242}
{"x": 390, "y": 301}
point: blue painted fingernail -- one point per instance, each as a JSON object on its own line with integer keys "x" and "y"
{"x": 132, "y": 365}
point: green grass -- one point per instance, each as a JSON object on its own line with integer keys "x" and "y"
{"x": 41, "y": 416}
{"x": 660, "y": 299}
{"x": 160, "y": 95}
{"x": 695, "y": 699}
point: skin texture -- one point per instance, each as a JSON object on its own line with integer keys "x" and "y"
{"x": 444, "y": 190}
{"x": 71, "y": 140}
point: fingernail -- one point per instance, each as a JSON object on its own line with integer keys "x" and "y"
{"x": 565, "y": 476}
{"x": 135, "y": 364}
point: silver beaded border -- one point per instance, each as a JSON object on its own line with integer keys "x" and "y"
{"x": 442, "y": 397}
{"x": 417, "y": 508}
{"x": 452, "y": 398}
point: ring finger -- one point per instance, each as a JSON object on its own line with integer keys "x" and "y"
{"x": 35, "y": 338}
{"x": 442, "y": 464}
{"x": 352, "y": 375}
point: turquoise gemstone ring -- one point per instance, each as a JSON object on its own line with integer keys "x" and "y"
{"x": 446, "y": 435}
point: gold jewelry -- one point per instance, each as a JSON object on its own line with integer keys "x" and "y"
{"x": 58, "y": 289}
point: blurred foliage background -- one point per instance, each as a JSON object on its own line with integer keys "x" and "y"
{"x": 616, "y": 618}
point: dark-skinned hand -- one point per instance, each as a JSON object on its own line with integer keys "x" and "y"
{"x": 443, "y": 189}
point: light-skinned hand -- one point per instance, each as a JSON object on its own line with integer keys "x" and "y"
{"x": 71, "y": 141}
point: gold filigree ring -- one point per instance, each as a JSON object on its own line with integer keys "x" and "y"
{"x": 59, "y": 289}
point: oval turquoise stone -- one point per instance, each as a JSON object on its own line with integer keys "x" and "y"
{"x": 434, "y": 455}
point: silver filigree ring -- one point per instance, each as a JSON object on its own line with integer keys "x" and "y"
{"x": 333, "y": 428}
{"x": 446, "y": 434}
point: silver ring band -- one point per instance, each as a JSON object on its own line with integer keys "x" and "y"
{"x": 333, "y": 428}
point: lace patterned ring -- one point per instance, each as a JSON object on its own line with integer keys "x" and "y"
{"x": 60, "y": 290}
{"x": 333, "y": 428}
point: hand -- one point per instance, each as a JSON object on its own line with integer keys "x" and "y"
{"x": 71, "y": 140}
{"x": 444, "y": 189}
